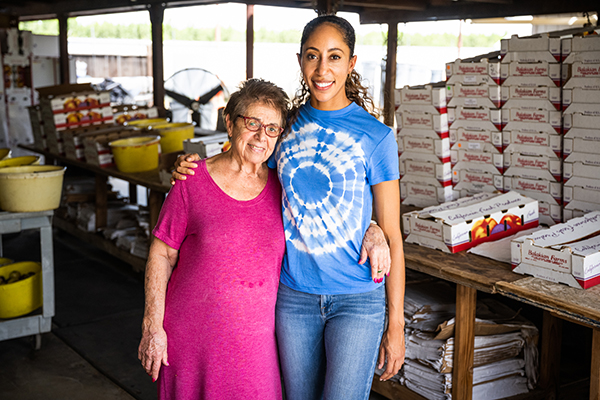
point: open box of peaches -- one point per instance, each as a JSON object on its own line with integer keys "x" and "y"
{"x": 459, "y": 225}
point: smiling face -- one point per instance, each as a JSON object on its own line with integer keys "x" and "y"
{"x": 253, "y": 147}
{"x": 326, "y": 63}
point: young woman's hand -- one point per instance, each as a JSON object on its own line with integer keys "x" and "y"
{"x": 375, "y": 247}
{"x": 184, "y": 165}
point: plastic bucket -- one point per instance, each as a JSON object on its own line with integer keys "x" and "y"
{"x": 4, "y": 261}
{"x": 172, "y": 135}
{"x": 136, "y": 154}
{"x": 30, "y": 188}
{"x": 18, "y": 161}
{"x": 24, "y": 296}
{"x": 4, "y": 153}
{"x": 145, "y": 123}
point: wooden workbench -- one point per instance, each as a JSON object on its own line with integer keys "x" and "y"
{"x": 474, "y": 273}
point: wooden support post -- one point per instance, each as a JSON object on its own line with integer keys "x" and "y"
{"x": 249, "y": 41}
{"x": 63, "y": 27}
{"x": 464, "y": 343}
{"x": 157, "y": 12}
{"x": 155, "y": 201}
{"x": 101, "y": 200}
{"x": 595, "y": 370}
{"x": 550, "y": 354}
{"x": 390, "y": 74}
{"x": 132, "y": 193}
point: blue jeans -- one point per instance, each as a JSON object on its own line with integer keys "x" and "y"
{"x": 328, "y": 344}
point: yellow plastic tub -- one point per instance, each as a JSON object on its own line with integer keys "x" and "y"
{"x": 4, "y": 261}
{"x": 30, "y": 188}
{"x": 145, "y": 123}
{"x": 24, "y": 296}
{"x": 136, "y": 154}
{"x": 18, "y": 161}
{"x": 172, "y": 135}
{"x": 4, "y": 153}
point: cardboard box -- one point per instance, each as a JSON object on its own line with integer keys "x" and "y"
{"x": 19, "y": 43}
{"x": 582, "y": 165}
{"x": 579, "y": 120}
{"x": 542, "y": 94}
{"x": 127, "y": 113}
{"x": 587, "y": 144}
{"x": 483, "y": 95}
{"x": 490, "y": 219}
{"x": 436, "y": 146}
{"x": 539, "y": 189}
{"x": 550, "y": 214}
{"x": 428, "y": 98}
{"x": 586, "y": 57}
{"x": 206, "y": 146}
{"x": 423, "y": 195}
{"x": 478, "y": 146}
{"x": 450, "y": 205}
{"x": 476, "y": 181}
{"x": 530, "y": 49}
{"x": 562, "y": 252}
{"x": 473, "y": 73}
{"x": 415, "y": 166}
{"x": 579, "y": 44}
{"x": 422, "y": 120}
{"x": 541, "y": 73}
{"x": 79, "y": 118}
{"x": 581, "y": 75}
{"x": 543, "y": 166}
{"x": 550, "y": 117}
{"x": 579, "y": 95}
{"x": 576, "y": 209}
{"x": 493, "y": 159}
{"x": 582, "y": 189}
{"x": 592, "y": 109}
{"x": 537, "y": 143}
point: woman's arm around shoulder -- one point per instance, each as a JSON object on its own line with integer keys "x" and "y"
{"x": 152, "y": 351}
{"x": 386, "y": 198}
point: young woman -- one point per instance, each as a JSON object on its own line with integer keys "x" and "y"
{"x": 337, "y": 166}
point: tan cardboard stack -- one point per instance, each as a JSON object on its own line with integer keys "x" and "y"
{"x": 531, "y": 121}
{"x": 16, "y": 87}
{"x": 505, "y": 357}
{"x": 73, "y": 106}
{"x": 581, "y": 125}
{"x": 568, "y": 253}
{"x": 423, "y": 145}
{"x": 474, "y": 98}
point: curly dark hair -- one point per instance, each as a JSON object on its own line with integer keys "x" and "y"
{"x": 355, "y": 90}
{"x": 257, "y": 91}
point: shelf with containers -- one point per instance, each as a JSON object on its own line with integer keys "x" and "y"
{"x": 39, "y": 321}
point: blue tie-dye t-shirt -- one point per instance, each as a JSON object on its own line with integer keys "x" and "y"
{"x": 326, "y": 165}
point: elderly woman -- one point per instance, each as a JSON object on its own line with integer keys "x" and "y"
{"x": 213, "y": 269}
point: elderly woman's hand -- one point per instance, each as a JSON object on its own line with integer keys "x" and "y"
{"x": 184, "y": 165}
{"x": 152, "y": 351}
{"x": 375, "y": 247}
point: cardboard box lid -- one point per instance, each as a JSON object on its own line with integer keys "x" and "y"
{"x": 568, "y": 232}
{"x": 65, "y": 89}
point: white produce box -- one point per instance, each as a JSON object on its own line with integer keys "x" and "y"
{"x": 457, "y": 228}
{"x": 530, "y": 49}
{"x": 206, "y": 146}
{"x": 586, "y": 49}
{"x": 476, "y": 181}
{"x": 576, "y": 209}
{"x": 439, "y": 147}
{"x": 407, "y": 119}
{"x": 579, "y": 95}
{"x": 473, "y": 73}
{"x": 568, "y": 253}
{"x": 582, "y": 141}
{"x": 546, "y": 190}
{"x": 550, "y": 117}
{"x": 531, "y": 166}
{"x": 478, "y": 145}
{"x": 579, "y": 120}
{"x": 423, "y": 195}
{"x": 584, "y": 165}
{"x": 412, "y": 164}
{"x": 540, "y": 73}
{"x": 581, "y": 189}
{"x": 427, "y": 98}
{"x": 483, "y": 95}
{"x": 511, "y": 95}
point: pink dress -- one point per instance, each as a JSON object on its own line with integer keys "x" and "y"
{"x": 220, "y": 303}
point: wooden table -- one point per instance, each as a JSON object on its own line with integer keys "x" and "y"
{"x": 474, "y": 273}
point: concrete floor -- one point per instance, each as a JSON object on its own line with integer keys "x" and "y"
{"x": 91, "y": 352}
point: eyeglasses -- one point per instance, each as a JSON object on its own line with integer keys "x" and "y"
{"x": 254, "y": 125}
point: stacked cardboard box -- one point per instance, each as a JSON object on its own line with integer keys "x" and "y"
{"x": 531, "y": 121}
{"x": 474, "y": 98}
{"x": 66, "y": 107}
{"x": 505, "y": 357}
{"x": 581, "y": 125}
{"x": 131, "y": 112}
{"x": 423, "y": 145}
{"x": 568, "y": 253}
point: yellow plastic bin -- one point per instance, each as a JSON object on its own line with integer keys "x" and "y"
{"x": 18, "y": 161}
{"x": 4, "y": 261}
{"x": 172, "y": 135}
{"x": 146, "y": 123}
{"x": 31, "y": 188}
{"x": 136, "y": 154}
{"x": 4, "y": 153}
{"x": 23, "y": 296}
